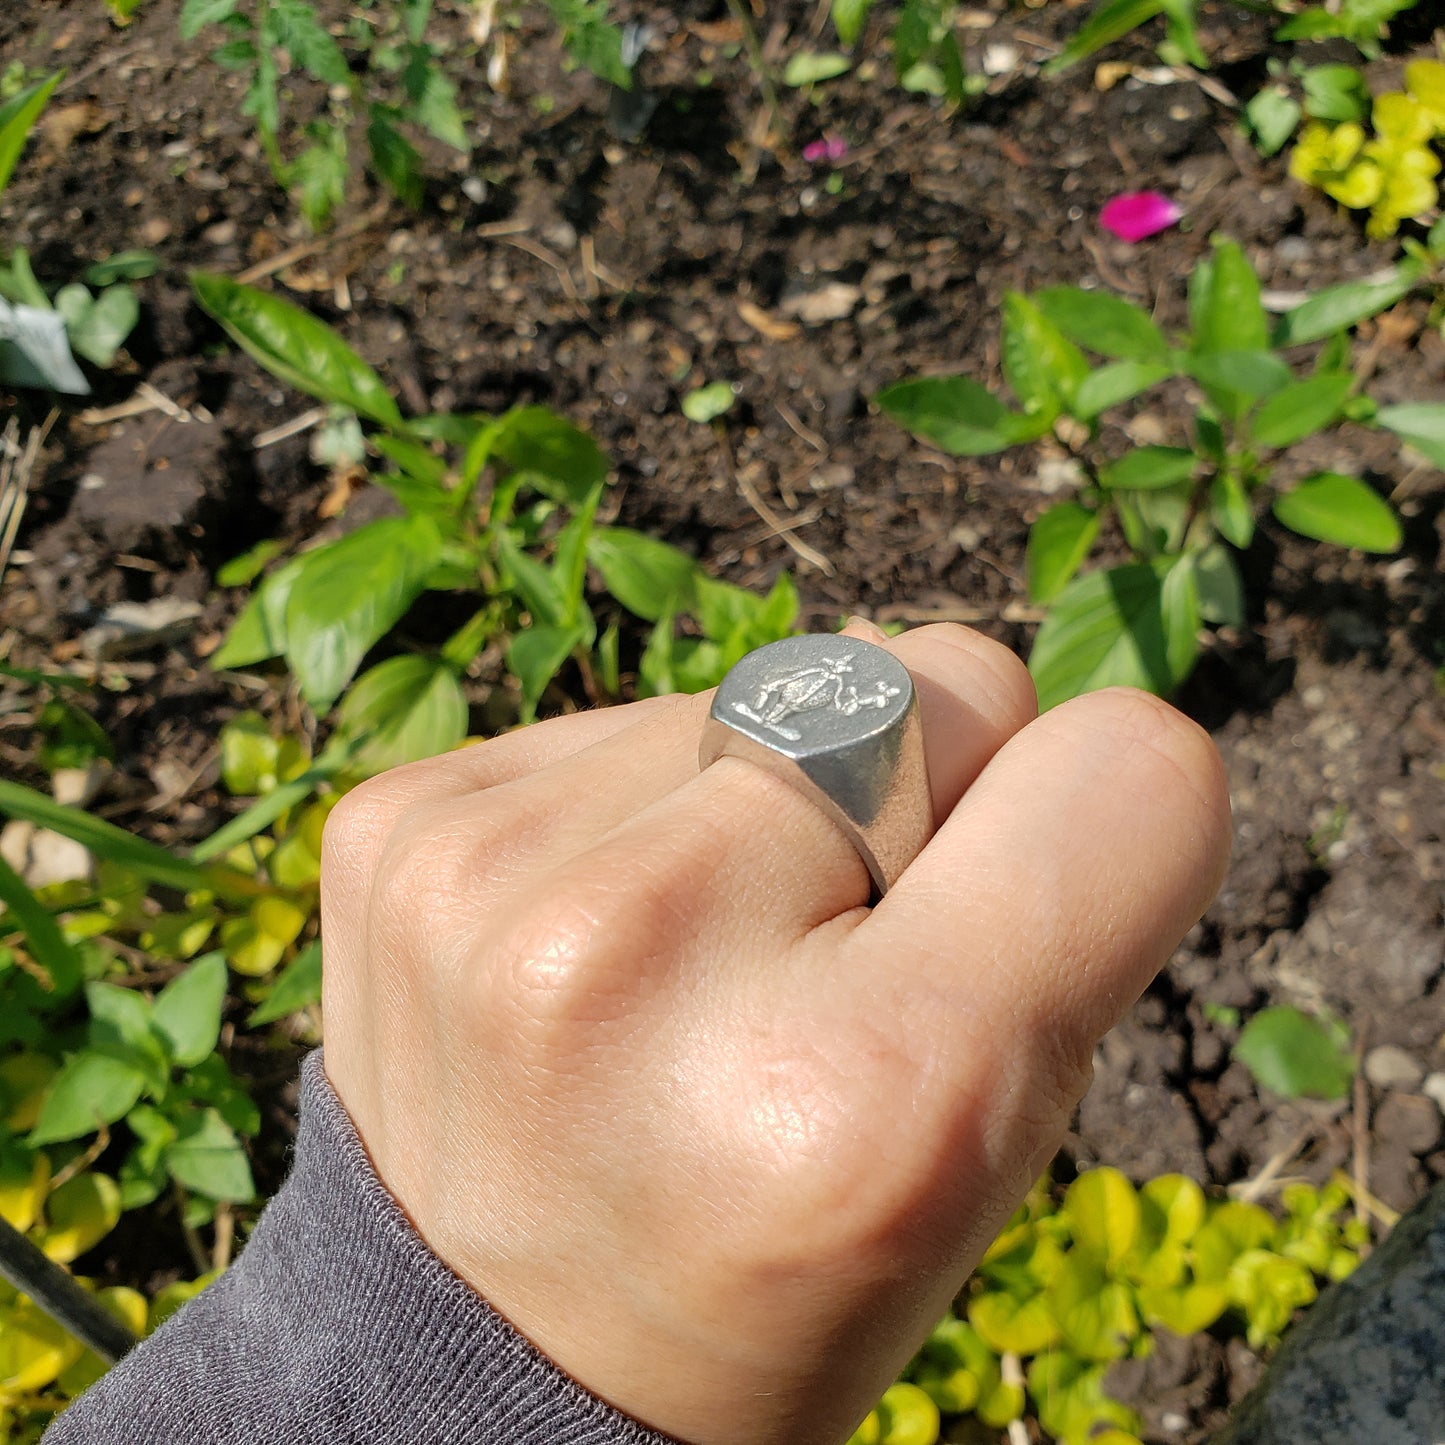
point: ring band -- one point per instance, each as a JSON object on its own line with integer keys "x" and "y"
{"x": 838, "y": 719}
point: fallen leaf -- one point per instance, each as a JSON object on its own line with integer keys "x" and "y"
{"x": 717, "y": 32}
{"x": 345, "y": 483}
{"x": 59, "y": 127}
{"x": 770, "y": 326}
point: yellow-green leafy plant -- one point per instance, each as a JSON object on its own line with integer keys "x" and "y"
{"x": 1390, "y": 170}
{"x": 1073, "y": 1285}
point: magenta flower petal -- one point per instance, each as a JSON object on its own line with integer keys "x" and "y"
{"x": 826, "y": 148}
{"x": 1136, "y": 215}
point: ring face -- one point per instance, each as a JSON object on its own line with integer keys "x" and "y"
{"x": 837, "y": 718}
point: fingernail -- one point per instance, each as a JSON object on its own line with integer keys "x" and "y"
{"x": 863, "y": 629}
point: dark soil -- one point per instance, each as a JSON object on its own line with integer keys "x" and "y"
{"x": 607, "y": 277}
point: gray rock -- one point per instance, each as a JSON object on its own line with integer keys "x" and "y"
{"x": 1367, "y": 1363}
{"x": 1391, "y": 1067}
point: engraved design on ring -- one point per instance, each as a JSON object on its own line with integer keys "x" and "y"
{"x": 837, "y": 718}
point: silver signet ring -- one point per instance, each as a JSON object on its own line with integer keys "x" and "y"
{"x": 837, "y": 719}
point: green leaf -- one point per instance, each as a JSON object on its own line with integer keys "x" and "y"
{"x": 1096, "y": 1314}
{"x": 1335, "y": 93}
{"x": 1148, "y": 467}
{"x": 549, "y": 454}
{"x": 1058, "y": 543}
{"x": 123, "y": 266}
{"x": 1295, "y": 1055}
{"x": 1179, "y": 607}
{"x": 17, "y": 116}
{"x": 849, "y": 18}
{"x": 1040, "y": 363}
{"x": 1301, "y": 408}
{"x": 91, "y": 1090}
{"x": 953, "y": 412}
{"x": 1118, "y": 382}
{"x": 79, "y": 1214}
{"x": 293, "y": 345}
{"x": 207, "y": 1158}
{"x": 297, "y": 987}
{"x": 248, "y": 565}
{"x": 1231, "y": 510}
{"x": 1103, "y": 1212}
{"x": 647, "y": 576}
{"x": 1109, "y": 22}
{"x": 301, "y": 34}
{"x": 188, "y": 1009}
{"x": 1008, "y": 1323}
{"x": 270, "y": 806}
{"x": 1337, "y": 308}
{"x": 1420, "y": 423}
{"x": 121, "y": 1028}
{"x": 1241, "y": 376}
{"x": 1224, "y": 304}
{"x": 48, "y": 945}
{"x": 1221, "y": 593}
{"x": 591, "y": 39}
{"x": 1103, "y": 323}
{"x": 317, "y": 177}
{"x": 410, "y": 707}
{"x": 1105, "y": 629}
{"x": 103, "y": 839}
{"x": 197, "y": 14}
{"x": 1272, "y": 114}
{"x": 98, "y": 325}
{"x": 706, "y": 403}
{"x": 534, "y": 658}
{"x": 809, "y": 68}
{"x": 1331, "y": 507}
{"x": 143, "y": 1173}
{"x": 349, "y": 595}
{"x": 260, "y": 631}
{"x": 434, "y": 101}
{"x": 395, "y": 160}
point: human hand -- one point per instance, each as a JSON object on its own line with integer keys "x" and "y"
{"x": 624, "y": 1041}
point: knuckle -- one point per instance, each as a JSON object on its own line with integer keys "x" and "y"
{"x": 358, "y": 827}
{"x": 576, "y": 953}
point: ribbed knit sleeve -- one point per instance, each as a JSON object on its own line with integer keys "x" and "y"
{"x": 338, "y": 1324}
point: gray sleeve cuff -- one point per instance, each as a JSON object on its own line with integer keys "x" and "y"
{"x": 338, "y": 1324}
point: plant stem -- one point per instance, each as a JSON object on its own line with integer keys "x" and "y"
{"x": 758, "y": 61}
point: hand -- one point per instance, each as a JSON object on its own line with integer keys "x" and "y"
{"x": 626, "y": 1044}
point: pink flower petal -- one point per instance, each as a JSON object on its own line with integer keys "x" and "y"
{"x": 827, "y": 148}
{"x": 1136, "y": 215}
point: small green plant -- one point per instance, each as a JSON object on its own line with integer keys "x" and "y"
{"x": 502, "y": 508}
{"x": 1363, "y": 22}
{"x": 926, "y": 55}
{"x": 1180, "y": 509}
{"x": 1072, "y": 1285}
{"x": 1330, "y": 93}
{"x": 1392, "y": 172}
{"x": 38, "y": 332}
{"x": 1297, "y": 1055}
{"x": 387, "y": 76}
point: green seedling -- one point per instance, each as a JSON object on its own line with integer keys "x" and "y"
{"x": 1182, "y": 509}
